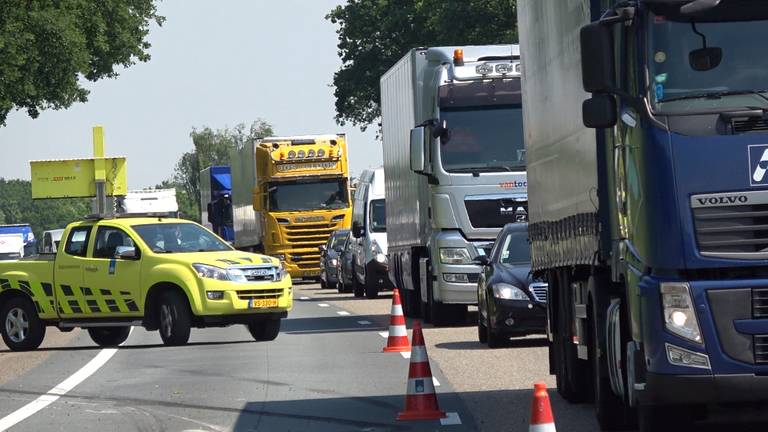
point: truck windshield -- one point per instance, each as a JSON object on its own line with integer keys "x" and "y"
{"x": 179, "y": 237}
{"x": 483, "y": 139}
{"x": 294, "y": 196}
{"x": 738, "y": 80}
{"x": 378, "y": 217}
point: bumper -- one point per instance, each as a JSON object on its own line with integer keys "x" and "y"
{"x": 703, "y": 389}
{"x": 330, "y": 275}
{"x": 378, "y": 273}
{"x": 226, "y": 320}
{"x": 296, "y": 272}
{"x": 518, "y": 317}
{"x": 249, "y": 299}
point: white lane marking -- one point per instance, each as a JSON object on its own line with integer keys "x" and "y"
{"x": 452, "y": 419}
{"x": 364, "y": 322}
{"x": 60, "y": 390}
{"x": 343, "y": 313}
{"x": 304, "y": 298}
{"x": 323, "y": 304}
{"x": 406, "y": 354}
{"x": 435, "y": 382}
{"x": 384, "y": 334}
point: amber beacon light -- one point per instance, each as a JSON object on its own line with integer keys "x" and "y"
{"x": 458, "y": 57}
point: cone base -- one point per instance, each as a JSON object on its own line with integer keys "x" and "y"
{"x": 421, "y": 415}
{"x": 396, "y": 349}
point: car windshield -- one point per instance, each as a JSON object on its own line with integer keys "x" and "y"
{"x": 483, "y": 139}
{"x": 378, "y": 216}
{"x": 292, "y": 196}
{"x": 515, "y": 248}
{"x": 179, "y": 237}
{"x": 707, "y": 65}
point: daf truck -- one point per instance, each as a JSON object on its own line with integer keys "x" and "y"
{"x": 289, "y": 194}
{"x": 645, "y": 128}
{"x": 454, "y": 164}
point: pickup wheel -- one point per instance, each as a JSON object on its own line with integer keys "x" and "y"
{"x": 175, "y": 318}
{"x": 22, "y": 329}
{"x": 109, "y": 336}
{"x": 264, "y": 331}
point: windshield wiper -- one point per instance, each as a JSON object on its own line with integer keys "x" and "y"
{"x": 494, "y": 168}
{"x": 718, "y": 95}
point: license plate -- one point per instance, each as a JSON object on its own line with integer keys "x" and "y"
{"x": 312, "y": 273}
{"x": 262, "y": 303}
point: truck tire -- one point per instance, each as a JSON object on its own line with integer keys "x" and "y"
{"x": 175, "y": 318}
{"x": 21, "y": 328}
{"x": 109, "y": 336}
{"x": 572, "y": 374}
{"x": 265, "y": 330}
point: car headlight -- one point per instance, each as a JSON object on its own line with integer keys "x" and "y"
{"x": 334, "y": 261}
{"x": 375, "y": 248}
{"x": 282, "y": 272}
{"x": 381, "y": 258}
{"x": 679, "y": 314}
{"x": 509, "y": 292}
{"x": 281, "y": 257}
{"x": 455, "y": 256}
{"x": 211, "y": 272}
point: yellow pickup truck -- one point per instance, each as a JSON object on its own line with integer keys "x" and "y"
{"x": 161, "y": 273}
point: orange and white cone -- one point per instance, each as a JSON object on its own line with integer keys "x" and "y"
{"x": 541, "y": 410}
{"x": 397, "y": 341}
{"x": 420, "y": 399}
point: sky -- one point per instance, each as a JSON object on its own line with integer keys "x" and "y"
{"x": 213, "y": 64}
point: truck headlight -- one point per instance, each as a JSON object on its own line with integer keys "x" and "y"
{"x": 679, "y": 314}
{"x": 455, "y": 256}
{"x": 509, "y": 292}
{"x": 211, "y": 272}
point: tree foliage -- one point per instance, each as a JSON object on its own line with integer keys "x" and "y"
{"x": 375, "y": 34}
{"x": 46, "y": 47}
{"x": 17, "y": 207}
{"x": 211, "y": 147}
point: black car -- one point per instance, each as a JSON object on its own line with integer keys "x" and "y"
{"x": 329, "y": 255}
{"x": 510, "y": 303}
{"x": 344, "y": 265}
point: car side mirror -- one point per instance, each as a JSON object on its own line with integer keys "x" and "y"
{"x": 599, "y": 111}
{"x": 322, "y": 248}
{"x": 357, "y": 229}
{"x": 482, "y": 260}
{"x": 598, "y": 70}
{"x": 126, "y": 252}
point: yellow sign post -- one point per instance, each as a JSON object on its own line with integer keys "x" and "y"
{"x": 98, "y": 176}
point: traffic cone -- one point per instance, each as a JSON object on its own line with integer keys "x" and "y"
{"x": 541, "y": 410}
{"x": 398, "y": 334}
{"x": 420, "y": 399}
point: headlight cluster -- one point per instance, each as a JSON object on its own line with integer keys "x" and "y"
{"x": 679, "y": 314}
{"x": 509, "y": 292}
{"x": 211, "y": 272}
{"x": 455, "y": 256}
{"x": 378, "y": 254}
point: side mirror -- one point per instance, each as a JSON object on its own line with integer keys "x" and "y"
{"x": 322, "y": 248}
{"x": 704, "y": 59}
{"x": 418, "y": 153}
{"x": 482, "y": 260}
{"x": 357, "y": 229}
{"x": 440, "y": 130}
{"x": 126, "y": 252}
{"x": 599, "y": 111}
{"x": 598, "y": 71}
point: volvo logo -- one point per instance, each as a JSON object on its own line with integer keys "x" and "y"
{"x": 722, "y": 200}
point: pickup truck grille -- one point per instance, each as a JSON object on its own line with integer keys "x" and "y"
{"x": 731, "y": 230}
{"x": 496, "y": 212}
{"x": 540, "y": 291}
{"x": 259, "y": 294}
{"x": 258, "y": 274}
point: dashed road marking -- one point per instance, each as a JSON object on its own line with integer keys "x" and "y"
{"x": 323, "y": 305}
{"x": 451, "y": 419}
{"x": 60, "y": 390}
{"x": 343, "y": 313}
{"x": 384, "y": 334}
{"x": 364, "y": 322}
{"x": 304, "y": 298}
{"x": 435, "y": 382}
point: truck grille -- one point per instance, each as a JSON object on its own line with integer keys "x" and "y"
{"x": 260, "y": 294}
{"x": 761, "y": 349}
{"x": 496, "y": 212}
{"x": 540, "y": 291}
{"x": 760, "y": 303}
{"x": 308, "y": 237}
{"x": 729, "y": 230}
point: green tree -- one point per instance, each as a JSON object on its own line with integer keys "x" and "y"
{"x": 211, "y": 147}
{"x": 375, "y": 34}
{"x": 46, "y": 47}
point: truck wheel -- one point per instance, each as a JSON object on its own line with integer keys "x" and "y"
{"x": 175, "y": 318}
{"x": 22, "y": 329}
{"x": 109, "y": 336}
{"x": 266, "y": 330}
{"x": 573, "y": 379}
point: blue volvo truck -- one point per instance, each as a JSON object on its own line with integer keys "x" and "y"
{"x": 216, "y": 200}
{"x": 646, "y": 129}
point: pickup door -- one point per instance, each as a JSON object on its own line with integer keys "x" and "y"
{"x": 91, "y": 282}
